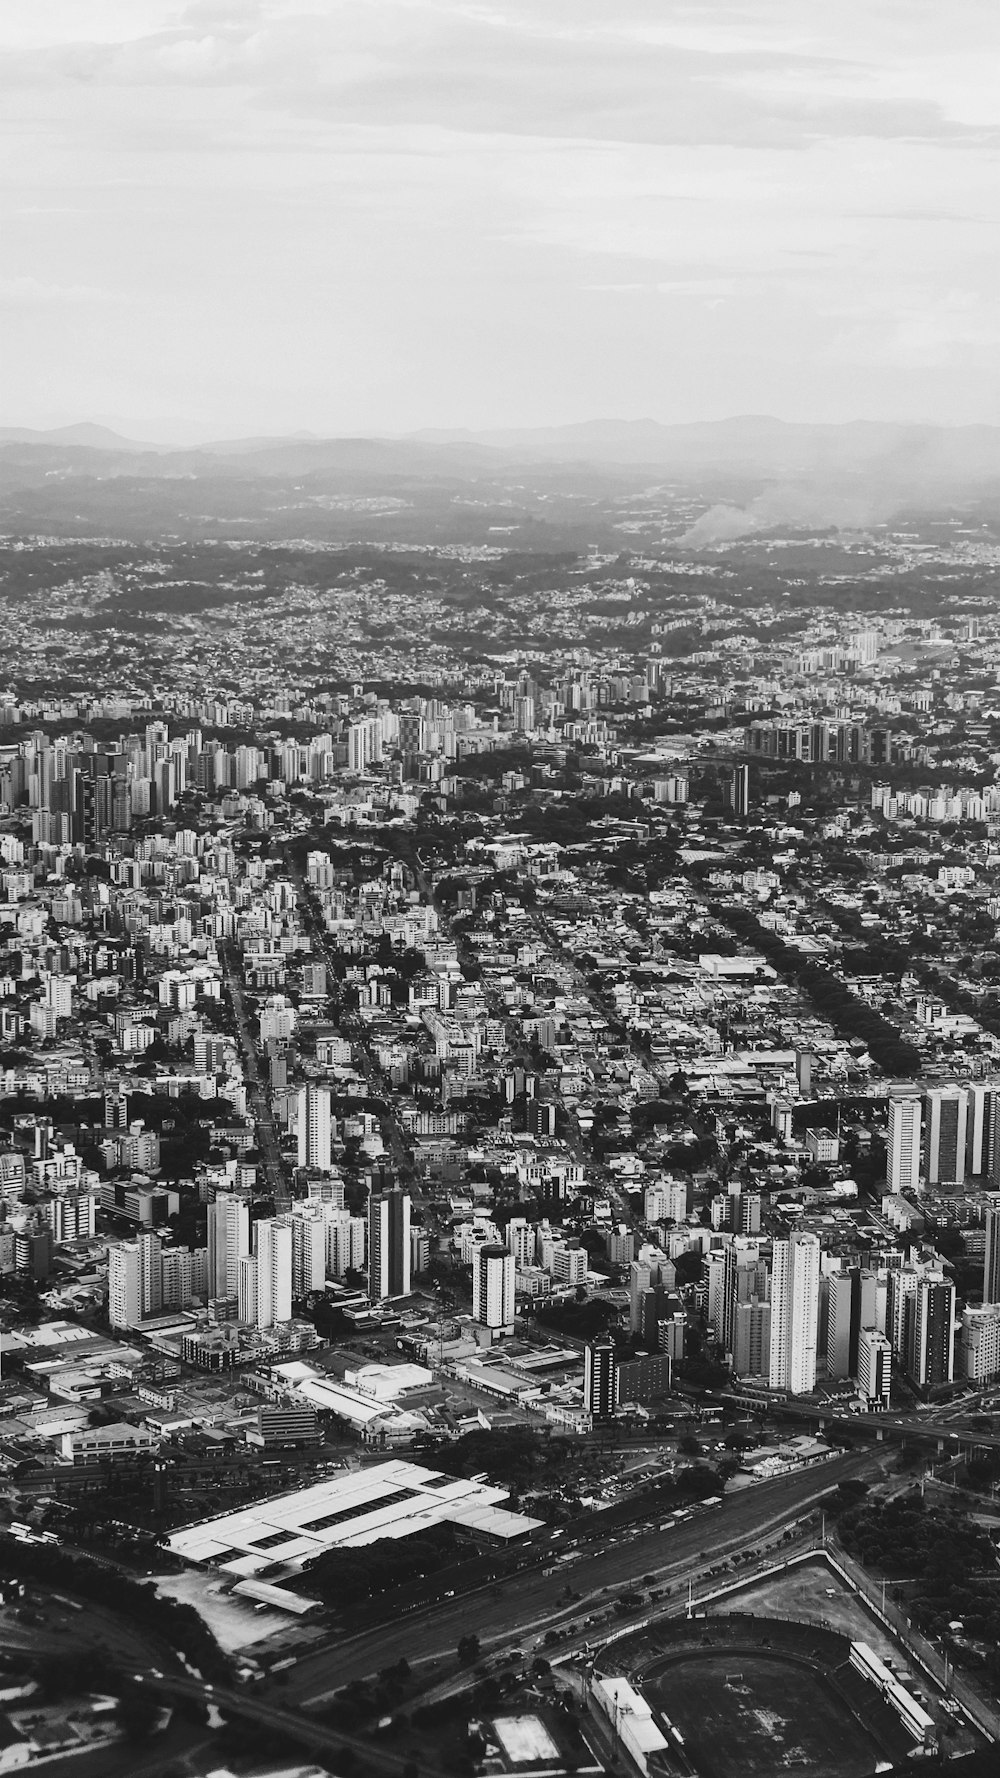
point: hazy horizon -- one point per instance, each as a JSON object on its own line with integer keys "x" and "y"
{"x": 371, "y": 217}
{"x": 174, "y": 434}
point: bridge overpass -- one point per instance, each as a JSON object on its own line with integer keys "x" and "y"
{"x": 928, "y": 1429}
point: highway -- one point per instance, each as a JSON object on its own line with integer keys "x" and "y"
{"x": 949, "y": 1429}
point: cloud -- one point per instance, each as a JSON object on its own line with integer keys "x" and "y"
{"x": 644, "y": 75}
{"x": 32, "y": 291}
{"x": 488, "y": 212}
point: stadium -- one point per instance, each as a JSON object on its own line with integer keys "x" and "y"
{"x": 707, "y": 1697}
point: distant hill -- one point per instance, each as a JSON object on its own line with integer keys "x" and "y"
{"x": 755, "y": 444}
{"x": 751, "y": 474}
{"x": 92, "y": 438}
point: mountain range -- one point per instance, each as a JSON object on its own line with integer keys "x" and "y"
{"x": 750, "y": 474}
{"x": 750, "y": 444}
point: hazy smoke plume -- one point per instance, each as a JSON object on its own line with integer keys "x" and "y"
{"x": 788, "y": 504}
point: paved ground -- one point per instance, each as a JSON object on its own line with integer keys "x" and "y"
{"x": 814, "y": 1594}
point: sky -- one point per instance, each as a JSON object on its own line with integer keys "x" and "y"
{"x": 222, "y": 217}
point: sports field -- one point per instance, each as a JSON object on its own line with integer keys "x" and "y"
{"x": 759, "y": 1715}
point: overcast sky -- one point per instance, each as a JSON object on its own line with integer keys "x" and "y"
{"x": 262, "y": 215}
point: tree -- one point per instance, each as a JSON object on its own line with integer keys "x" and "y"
{"x": 137, "y": 1714}
{"x": 468, "y": 1650}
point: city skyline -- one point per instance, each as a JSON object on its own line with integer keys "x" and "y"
{"x": 499, "y": 887}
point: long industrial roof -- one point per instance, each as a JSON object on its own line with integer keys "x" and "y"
{"x": 393, "y": 1499}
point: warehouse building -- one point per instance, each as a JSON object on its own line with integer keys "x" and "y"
{"x": 281, "y": 1536}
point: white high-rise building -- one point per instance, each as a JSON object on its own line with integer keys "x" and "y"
{"x": 666, "y": 1201}
{"x": 135, "y": 1280}
{"x": 228, "y": 1242}
{"x": 124, "y": 1287}
{"x": 904, "y": 1140}
{"x": 309, "y": 1246}
{"x": 980, "y": 1100}
{"x": 176, "y": 1277}
{"x": 874, "y": 1368}
{"x": 314, "y": 1128}
{"x": 265, "y": 1280}
{"x": 795, "y": 1269}
{"x": 493, "y": 1270}
{"x": 345, "y": 1243}
{"x": 979, "y": 1343}
{"x": 521, "y": 1240}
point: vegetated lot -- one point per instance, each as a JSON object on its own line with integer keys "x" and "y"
{"x": 759, "y": 1715}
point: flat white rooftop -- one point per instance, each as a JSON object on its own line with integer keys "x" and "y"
{"x": 394, "y": 1499}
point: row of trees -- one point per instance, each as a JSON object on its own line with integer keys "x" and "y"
{"x": 831, "y": 997}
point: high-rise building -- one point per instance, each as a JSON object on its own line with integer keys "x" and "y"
{"x": 265, "y": 1279}
{"x": 666, "y": 1201}
{"x": 651, "y": 1266}
{"x": 904, "y": 1140}
{"x": 931, "y": 1343}
{"x": 521, "y": 1240}
{"x": 752, "y": 1338}
{"x": 979, "y": 1344}
{"x": 857, "y": 1299}
{"x": 314, "y": 1128}
{"x": 135, "y": 1280}
{"x": 838, "y": 1325}
{"x": 619, "y": 1243}
{"x": 309, "y": 1244}
{"x": 874, "y": 1368}
{"x": 388, "y": 1245}
{"x": 744, "y": 1212}
{"x": 345, "y": 1242}
{"x": 652, "y": 1309}
{"x": 794, "y": 1313}
{"x": 493, "y": 1269}
{"x": 228, "y": 1242}
{"x": 740, "y": 790}
{"x": 803, "y": 1072}
{"x": 671, "y": 1331}
{"x": 991, "y": 1258}
{"x": 124, "y": 1288}
{"x": 990, "y": 1161}
{"x": 977, "y": 1120}
{"x": 947, "y": 1111}
{"x": 737, "y": 1255}
{"x": 600, "y": 1379}
{"x": 903, "y": 1283}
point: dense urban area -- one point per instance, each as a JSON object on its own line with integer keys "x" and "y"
{"x": 499, "y": 1139}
